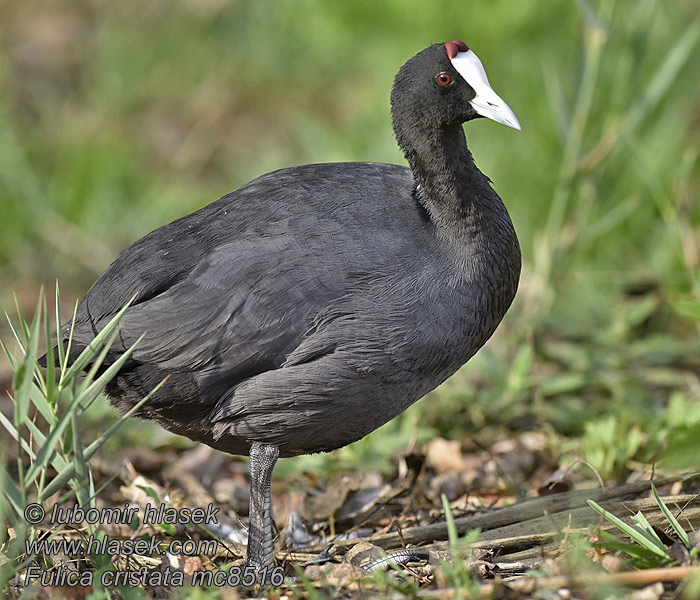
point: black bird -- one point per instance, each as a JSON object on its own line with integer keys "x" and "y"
{"x": 312, "y": 305}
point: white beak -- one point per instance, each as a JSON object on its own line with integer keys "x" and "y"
{"x": 487, "y": 103}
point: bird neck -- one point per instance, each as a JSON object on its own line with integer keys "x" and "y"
{"x": 455, "y": 194}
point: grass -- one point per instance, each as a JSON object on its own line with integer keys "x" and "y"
{"x": 153, "y": 115}
{"x": 116, "y": 118}
{"x": 649, "y": 550}
{"x": 46, "y": 429}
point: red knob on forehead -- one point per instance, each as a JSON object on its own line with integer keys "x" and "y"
{"x": 454, "y": 47}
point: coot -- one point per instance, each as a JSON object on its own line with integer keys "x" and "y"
{"x": 314, "y": 304}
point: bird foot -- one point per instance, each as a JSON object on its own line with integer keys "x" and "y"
{"x": 259, "y": 570}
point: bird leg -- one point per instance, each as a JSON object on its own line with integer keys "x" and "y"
{"x": 262, "y": 461}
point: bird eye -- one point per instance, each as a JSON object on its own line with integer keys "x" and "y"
{"x": 444, "y": 78}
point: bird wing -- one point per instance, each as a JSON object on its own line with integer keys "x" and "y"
{"x": 229, "y": 291}
{"x": 240, "y": 311}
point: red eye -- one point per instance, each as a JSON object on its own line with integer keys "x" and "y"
{"x": 444, "y": 78}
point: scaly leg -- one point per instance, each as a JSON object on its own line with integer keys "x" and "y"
{"x": 262, "y": 460}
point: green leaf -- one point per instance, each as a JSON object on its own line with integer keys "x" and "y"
{"x": 24, "y": 379}
{"x": 15, "y": 434}
{"x": 88, "y": 396}
{"x": 647, "y": 530}
{"x": 57, "y": 461}
{"x": 10, "y": 357}
{"x": 38, "y": 399}
{"x": 59, "y": 337}
{"x": 97, "y": 363}
{"x": 555, "y": 98}
{"x": 11, "y": 491}
{"x": 66, "y": 353}
{"x": 635, "y": 533}
{"x": 451, "y": 526}
{"x": 610, "y": 542}
{"x": 18, "y": 379}
{"x": 682, "y": 451}
{"x": 563, "y": 383}
{"x": 50, "y": 381}
{"x": 688, "y": 308}
{"x": 15, "y": 333}
{"x": 520, "y": 368}
{"x": 680, "y": 532}
{"x": 65, "y": 475}
{"x": 150, "y": 492}
{"x": 93, "y": 348}
{"x": 44, "y": 456}
{"x": 663, "y": 78}
{"x": 81, "y": 467}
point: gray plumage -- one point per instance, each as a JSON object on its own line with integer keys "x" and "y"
{"x": 314, "y": 304}
{"x": 306, "y": 320}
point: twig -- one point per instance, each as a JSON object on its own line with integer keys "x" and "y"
{"x": 636, "y": 578}
{"x": 512, "y": 515}
{"x": 529, "y": 585}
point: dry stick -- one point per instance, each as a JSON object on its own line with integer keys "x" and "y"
{"x": 535, "y": 554}
{"x": 517, "y": 513}
{"x": 638, "y": 578}
{"x": 516, "y": 541}
{"x": 534, "y": 533}
{"x": 583, "y": 517}
{"x": 528, "y": 585}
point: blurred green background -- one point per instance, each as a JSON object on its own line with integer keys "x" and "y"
{"x": 118, "y": 117}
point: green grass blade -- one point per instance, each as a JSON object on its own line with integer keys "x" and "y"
{"x": 57, "y": 322}
{"x": 663, "y": 78}
{"x": 64, "y": 476}
{"x": 66, "y": 354}
{"x": 50, "y": 380}
{"x": 610, "y": 542}
{"x": 680, "y": 532}
{"x": 57, "y": 461}
{"x": 97, "y": 362}
{"x": 661, "y": 82}
{"x": 15, "y": 333}
{"x": 95, "y": 445}
{"x": 687, "y": 308}
{"x": 91, "y": 489}
{"x": 640, "y": 557}
{"x": 648, "y": 531}
{"x": 591, "y": 18}
{"x": 24, "y": 377}
{"x": 88, "y": 396}
{"x": 81, "y": 466}
{"x": 15, "y": 435}
{"x": 555, "y": 98}
{"x": 11, "y": 491}
{"x": 10, "y": 357}
{"x": 24, "y": 326}
{"x": 92, "y": 349}
{"x": 44, "y": 456}
{"x": 38, "y": 399}
{"x": 452, "y": 535}
{"x": 633, "y": 532}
